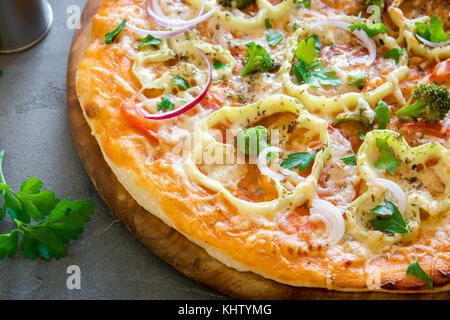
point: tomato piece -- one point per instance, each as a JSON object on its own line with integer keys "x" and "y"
{"x": 434, "y": 130}
{"x": 137, "y": 120}
{"x": 441, "y": 72}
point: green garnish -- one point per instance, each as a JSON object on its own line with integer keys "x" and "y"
{"x": 295, "y": 26}
{"x": 181, "y": 82}
{"x": 387, "y": 159}
{"x": 218, "y": 65}
{"x": 304, "y": 3}
{"x": 267, "y": 23}
{"x": 165, "y": 104}
{"x": 395, "y": 54}
{"x": 389, "y": 219}
{"x": 301, "y": 160}
{"x": 357, "y": 80}
{"x": 309, "y": 69}
{"x": 433, "y": 32}
{"x": 351, "y": 160}
{"x": 382, "y": 114}
{"x": 149, "y": 41}
{"x": 371, "y": 30}
{"x": 57, "y": 221}
{"x": 256, "y": 59}
{"x": 416, "y": 270}
{"x": 273, "y": 38}
{"x": 111, "y": 36}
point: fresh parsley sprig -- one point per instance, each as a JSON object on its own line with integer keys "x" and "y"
{"x": 111, "y": 36}
{"x": 309, "y": 69}
{"x": 416, "y": 270}
{"x": 433, "y": 32}
{"x": 58, "y": 222}
{"x": 300, "y": 160}
{"x": 389, "y": 219}
{"x": 371, "y": 30}
{"x": 387, "y": 159}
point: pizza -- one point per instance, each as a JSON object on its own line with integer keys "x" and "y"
{"x": 304, "y": 141}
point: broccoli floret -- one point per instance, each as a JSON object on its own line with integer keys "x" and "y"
{"x": 256, "y": 59}
{"x": 240, "y": 4}
{"x": 253, "y": 140}
{"x": 379, "y": 3}
{"x": 363, "y": 113}
{"x": 432, "y": 104}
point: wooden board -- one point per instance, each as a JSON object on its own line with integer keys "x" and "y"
{"x": 171, "y": 246}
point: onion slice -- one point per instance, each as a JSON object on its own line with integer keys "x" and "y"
{"x": 331, "y": 216}
{"x": 162, "y": 20}
{"x": 433, "y": 44}
{"x": 158, "y": 16}
{"x": 264, "y": 168}
{"x": 363, "y": 38}
{"x": 158, "y": 34}
{"x": 188, "y": 106}
{"x": 399, "y": 197}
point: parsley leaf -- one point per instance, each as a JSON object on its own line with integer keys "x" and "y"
{"x": 304, "y": 3}
{"x": 149, "y": 41}
{"x": 361, "y": 133}
{"x": 351, "y": 160}
{"x": 308, "y": 50}
{"x": 391, "y": 219}
{"x": 8, "y": 244}
{"x": 387, "y": 159}
{"x": 371, "y": 30}
{"x": 302, "y": 160}
{"x": 48, "y": 239}
{"x": 295, "y": 26}
{"x": 267, "y": 23}
{"x": 416, "y": 270}
{"x": 382, "y": 114}
{"x": 181, "y": 82}
{"x": 273, "y": 38}
{"x": 357, "y": 80}
{"x": 395, "y": 54}
{"x": 218, "y": 65}
{"x": 434, "y": 32}
{"x": 309, "y": 69}
{"x": 165, "y": 104}
{"x": 111, "y": 36}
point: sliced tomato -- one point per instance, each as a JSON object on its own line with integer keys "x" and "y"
{"x": 434, "y": 130}
{"x": 441, "y": 72}
{"x": 137, "y": 120}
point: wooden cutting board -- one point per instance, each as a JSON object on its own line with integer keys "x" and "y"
{"x": 171, "y": 246}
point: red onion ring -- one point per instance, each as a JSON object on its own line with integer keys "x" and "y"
{"x": 363, "y": 38}
{"x": 188, "y": 106}
{"x": 433, "y": 44}
{"x": 158, "y": 16}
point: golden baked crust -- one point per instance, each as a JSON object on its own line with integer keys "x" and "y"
{"x": 288, "y": 250}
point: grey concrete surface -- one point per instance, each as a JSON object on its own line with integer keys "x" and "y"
{"x": 35, "y": 132}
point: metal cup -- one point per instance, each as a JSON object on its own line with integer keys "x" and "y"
{"x": 23, "y": 23}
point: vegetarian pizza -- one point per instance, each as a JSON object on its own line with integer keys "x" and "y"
{"x": 304, "y": 141}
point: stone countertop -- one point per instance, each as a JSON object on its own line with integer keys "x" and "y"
{"x": 35, "y": 132}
